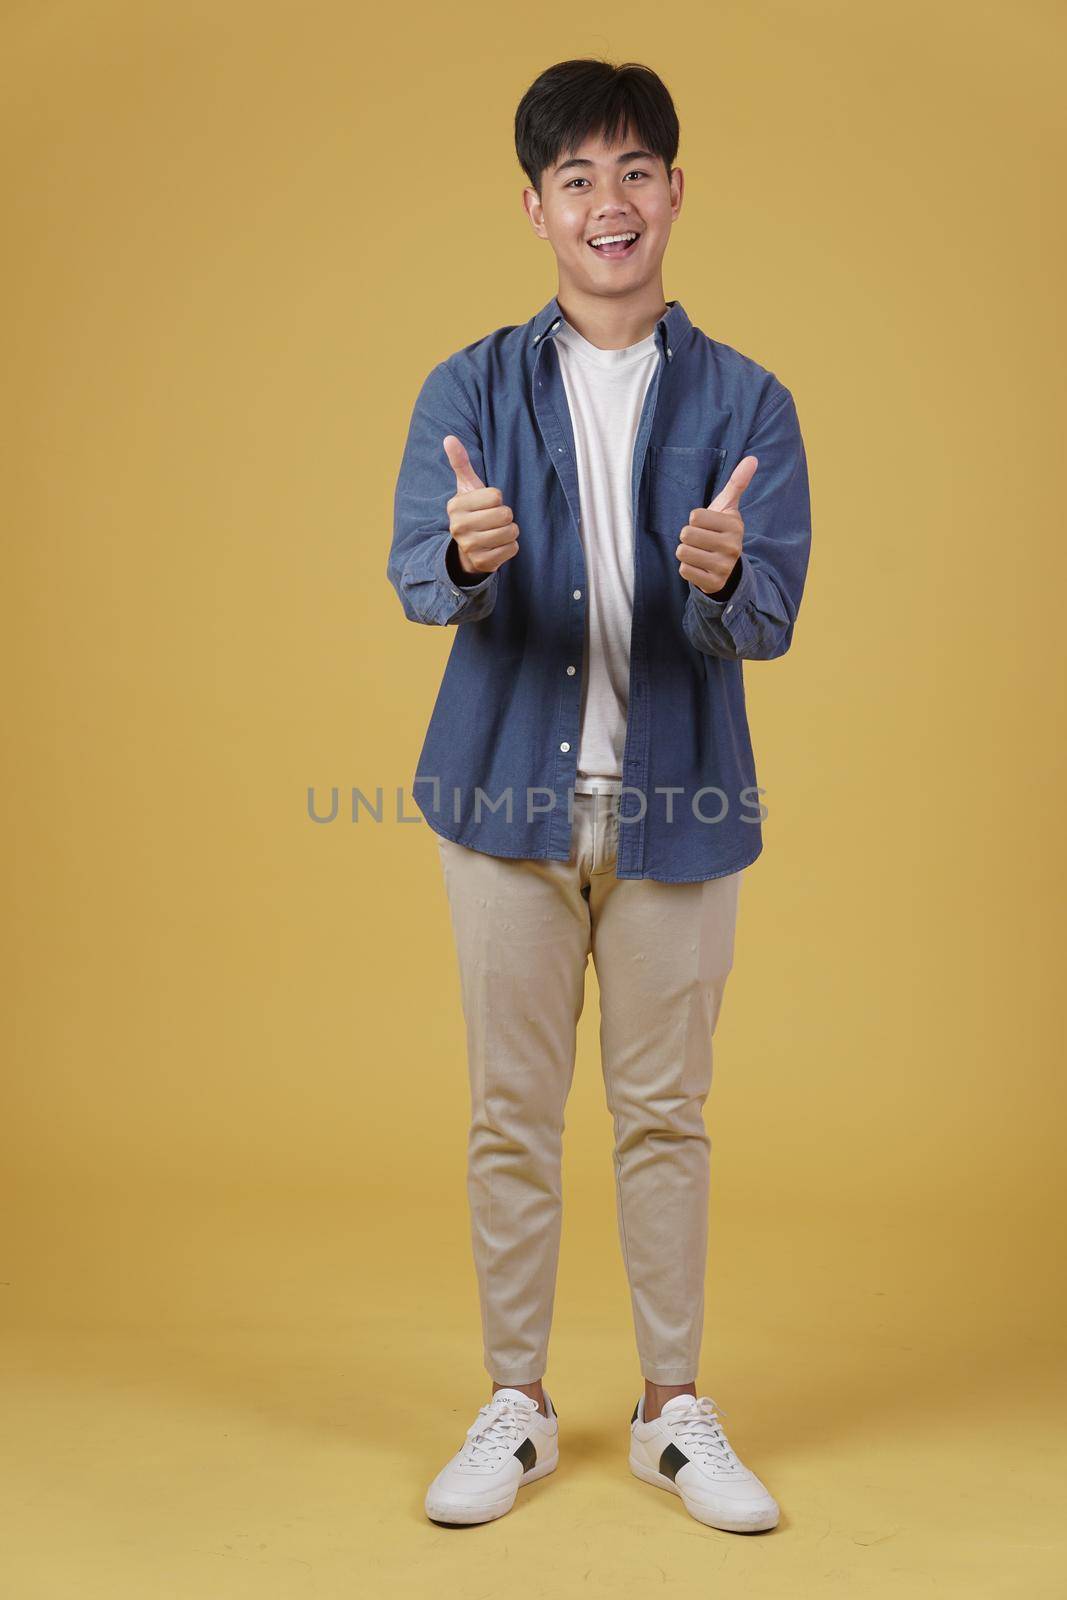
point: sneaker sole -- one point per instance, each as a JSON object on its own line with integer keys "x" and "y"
{"x": 466, "y": 1516}
{"x": 711, "y": 1519}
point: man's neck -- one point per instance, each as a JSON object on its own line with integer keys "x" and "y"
{"x": 612, "y": 324}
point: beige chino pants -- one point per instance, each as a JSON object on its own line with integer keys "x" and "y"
{"x": 524, "y": 931}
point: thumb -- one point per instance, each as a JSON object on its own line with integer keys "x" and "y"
{"x": 460, "y": 461}
{"x": 735, "y": 486}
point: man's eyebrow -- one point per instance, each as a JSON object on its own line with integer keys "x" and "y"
{"x": 581, "y": 161}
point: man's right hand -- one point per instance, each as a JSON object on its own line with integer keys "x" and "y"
{"x": 478, "y": 520}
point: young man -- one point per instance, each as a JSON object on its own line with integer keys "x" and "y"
{"x": 570, "y": 499}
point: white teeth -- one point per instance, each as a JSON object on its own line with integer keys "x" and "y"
{"x": 611, "y": 238}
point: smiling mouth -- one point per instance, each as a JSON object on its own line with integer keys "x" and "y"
{"x": 614, "y": 252}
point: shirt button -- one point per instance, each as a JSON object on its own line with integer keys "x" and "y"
{"x": 577, "y": 594}
{"x": 564, "y": 745}
{"x": 570, "y": 672}
{"x": 726, "y": 613}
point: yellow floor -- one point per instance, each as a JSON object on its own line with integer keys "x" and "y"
{"x": 233, "y": 1401}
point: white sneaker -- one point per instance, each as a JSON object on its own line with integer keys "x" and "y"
{"x": 686, "y": 1451}
{"x": 509, "y": 1443}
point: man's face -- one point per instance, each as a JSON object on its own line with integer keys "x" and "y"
{"x": 600, "y": 190}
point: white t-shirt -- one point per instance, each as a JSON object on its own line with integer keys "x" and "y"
{"x": 605, "y": 393}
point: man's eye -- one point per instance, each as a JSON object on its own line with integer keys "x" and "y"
{"x": 634, "y": 172}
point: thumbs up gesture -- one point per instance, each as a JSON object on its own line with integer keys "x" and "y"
{"x": 478, "y": 520}
{"x": 710, "y": 543}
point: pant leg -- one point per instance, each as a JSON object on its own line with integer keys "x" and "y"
{"x": 522, "y": 933}
{"x": 662, "y": 953}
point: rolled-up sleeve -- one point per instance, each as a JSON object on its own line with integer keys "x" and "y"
{"x": 754, "y": 618}
{"x": 426, "y": 482}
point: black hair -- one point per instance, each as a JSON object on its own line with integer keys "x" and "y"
{"x": 577, "y": 100}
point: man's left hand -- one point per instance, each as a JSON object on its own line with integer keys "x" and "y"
{"x": 710, "y": 542}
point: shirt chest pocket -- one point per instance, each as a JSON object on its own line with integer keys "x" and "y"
{"x": 681, "y": 478}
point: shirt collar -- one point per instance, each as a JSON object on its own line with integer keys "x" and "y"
{"x": 670, "y": 328}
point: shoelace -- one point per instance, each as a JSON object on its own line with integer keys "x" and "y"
{"x": 498, "y": 1424}
{"x": 700, "y": 1427}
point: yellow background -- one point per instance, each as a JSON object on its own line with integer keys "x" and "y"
{"x": 241, "y": 1326}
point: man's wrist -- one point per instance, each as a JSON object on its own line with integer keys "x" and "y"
{"x": 464, "y": 580}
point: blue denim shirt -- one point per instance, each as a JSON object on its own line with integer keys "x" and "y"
{"x": 499, "y": 760}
